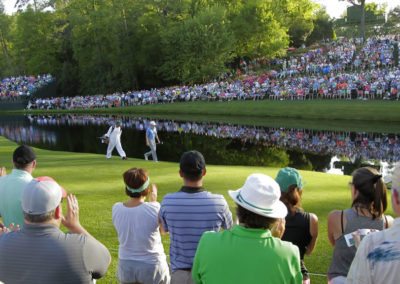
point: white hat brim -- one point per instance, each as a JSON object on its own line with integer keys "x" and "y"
{"x": 279, "y": 209}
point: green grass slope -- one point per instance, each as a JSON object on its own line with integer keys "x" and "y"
{"x": 98, "y": 184}
{"x": 357, "y": 110}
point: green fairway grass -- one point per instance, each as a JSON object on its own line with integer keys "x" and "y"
{"x": 98, "y": 184}
{"x": 336, "y": 115}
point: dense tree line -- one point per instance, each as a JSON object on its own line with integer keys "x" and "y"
{"x": 101, "y": 46}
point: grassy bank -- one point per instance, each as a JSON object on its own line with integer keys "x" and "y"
{"x": 98, "y": 185}
{"x": 363, "y": 116}
{"x": 383, "y": 111}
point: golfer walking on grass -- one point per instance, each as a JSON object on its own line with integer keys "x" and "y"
{"x": 151, "y": 137}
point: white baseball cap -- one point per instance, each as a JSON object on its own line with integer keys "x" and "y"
{"x": 260, "y": 194}
{"x": 153, "y": 123}
{"x": 42, "y": 195}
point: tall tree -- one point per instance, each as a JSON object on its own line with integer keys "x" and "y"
{"x": 38, "y": 5}
{"x": 35, "y": 42}
{"x": 6, "y": 64}
{"x": 258, "y": 30}
{"x": 323, "y": 27}
{"x": 298, "y": 16}
{"x": 197, "y": 49}
{"x": 361, "y": 5}
{"x": 392, "y": 24}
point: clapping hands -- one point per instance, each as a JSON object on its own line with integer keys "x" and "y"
{"x": 153, "y": 193}
{"x": 11, "y": 228}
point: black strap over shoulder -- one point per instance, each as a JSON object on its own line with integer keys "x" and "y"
{"x": 386, "y": 221}
{"x": 307, "y": 220}
{"x": 341, "y": 222}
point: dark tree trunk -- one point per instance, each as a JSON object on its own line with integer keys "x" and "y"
{"x": 362, "y": 24}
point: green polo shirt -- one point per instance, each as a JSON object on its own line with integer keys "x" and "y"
{"x": 243, "y": 255}
{"x": 11, "y": 187}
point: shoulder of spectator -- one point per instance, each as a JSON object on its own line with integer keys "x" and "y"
{"x": 314, "y": 221}
{"x": 286, "y": 245}
{"x": 390, "y": 220}
{"x": 334, "y": 225}
{"x": 168, "y": 197}
{"x": 334, "y": 216}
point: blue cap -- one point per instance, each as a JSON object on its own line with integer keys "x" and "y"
{"x": 287, "y": 177}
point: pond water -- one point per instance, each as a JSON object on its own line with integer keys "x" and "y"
{"x": 332, "y": 151}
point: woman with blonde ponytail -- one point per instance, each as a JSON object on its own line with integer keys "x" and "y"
{"x": 369, "y": 202}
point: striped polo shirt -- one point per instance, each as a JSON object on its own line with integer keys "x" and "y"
{"x": 42, "y": 253}
{"x": 186, "y": 215}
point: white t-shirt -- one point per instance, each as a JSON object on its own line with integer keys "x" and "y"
{"x": 138, "y": 232}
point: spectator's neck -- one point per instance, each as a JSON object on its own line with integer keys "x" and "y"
{"x": 53, "y": 222}
{"x": 189, "y": 183}
{"x": 29, "y": 170}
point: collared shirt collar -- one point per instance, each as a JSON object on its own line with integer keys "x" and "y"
{"x": 40, "y": 229}
{"x": 241, "y": 231}
{"x": 20, "y": 173}
{"x": 189, "y": 189}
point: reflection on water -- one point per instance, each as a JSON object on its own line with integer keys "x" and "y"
{"x": 221, "y": 143}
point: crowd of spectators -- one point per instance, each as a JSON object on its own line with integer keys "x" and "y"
{"x": 370, "y": 146}
{"x": 207, "y": 244}
{"x": 343, "y": 69}
{"x": 22, "y": 86}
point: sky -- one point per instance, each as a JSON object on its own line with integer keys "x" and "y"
{"x": 335, "y": 8}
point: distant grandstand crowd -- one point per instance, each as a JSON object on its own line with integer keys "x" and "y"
{"x": 22, "y": 86}
{"x": 342, "y": 69}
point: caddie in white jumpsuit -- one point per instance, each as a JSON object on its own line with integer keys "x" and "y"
{"x": 114, "y": 134}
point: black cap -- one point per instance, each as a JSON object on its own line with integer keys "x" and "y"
{"x": 23, "y": 155}
{"x": 192, "y": 162}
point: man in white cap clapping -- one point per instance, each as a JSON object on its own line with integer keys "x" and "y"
{"x": 151, "y": 137}
{"x": 41, "y": 252}
{"x": 250, "y": 252}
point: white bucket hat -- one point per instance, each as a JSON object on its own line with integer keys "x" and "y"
{"x": 260, "y": 194}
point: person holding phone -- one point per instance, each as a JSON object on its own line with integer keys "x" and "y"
{"x": 369, "y": 202}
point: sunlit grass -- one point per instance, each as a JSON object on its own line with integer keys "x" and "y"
{"x": 98, "y": 184}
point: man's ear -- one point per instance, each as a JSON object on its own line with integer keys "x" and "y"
{"x": 181, "y": 173}
{"x": 58, "y": 212}
{"x": 204, "y": 172}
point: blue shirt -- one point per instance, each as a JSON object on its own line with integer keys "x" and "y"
{"x": 186, "y": 215}
{"x": 151, "y": 134}
{"x": 11, "y": 188}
